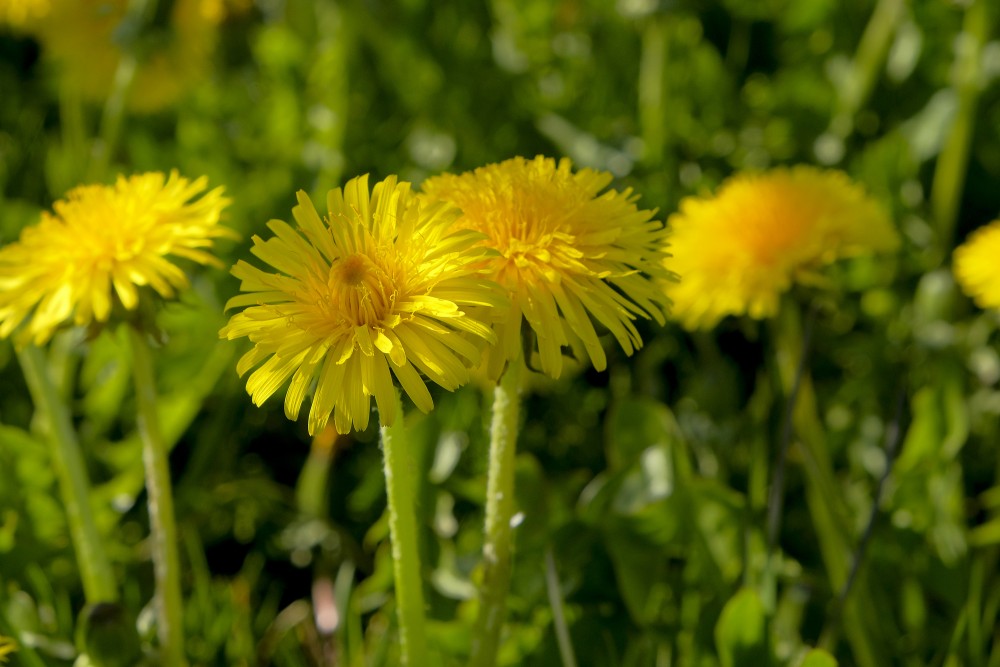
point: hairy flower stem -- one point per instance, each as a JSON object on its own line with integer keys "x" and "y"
{"x": 498, "y": 542}
{"x": 71, "y": 471}
{"x": 163, "y": 526}
{"x": 401, "y": 494}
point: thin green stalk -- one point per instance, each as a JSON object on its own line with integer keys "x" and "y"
{"x": 873, "y": 49}
{"x": 71, "y": 471}
{"x": 329, "y": 84}
{"x": 114, "y": 107}
{"x": 163, "y": 526}
{"x": 558, "y": 617}
{"x": 652, "y": 89}
{"x": 776, "y": 493}
{"x": 952, "y": 163}
{"x": 401, "y": 494}
{"x": 823, "y": 496}
{"x": 498, "y": 542}
{"x": 866, "y": 66}
{"x": 74, "y": 130}
{"x": 776, "y": 499}
{"x": 111, "y": 119}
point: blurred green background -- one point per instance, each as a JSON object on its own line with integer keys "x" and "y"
{"x": 648, "y": 484}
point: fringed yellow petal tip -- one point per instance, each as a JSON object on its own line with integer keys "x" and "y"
{"x": 976, "y": 266}
{"x": 567, "y": 252}
{"x": 357, "y": 299}
{"x": 99, "y": 245}
{"x": 736, "y": 252}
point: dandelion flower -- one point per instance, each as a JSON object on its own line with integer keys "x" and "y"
{"x": 381, "y": 284}
{"x": 19, "y": 13}
{"x": 567, "y": 254}
{"x": 101, "y": 244}
{"x": 738, "y": 251}
{"x": 977, "y": 266}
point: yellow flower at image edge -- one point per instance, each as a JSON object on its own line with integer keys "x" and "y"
{"x": 376, "y": 289}
{"x": 101, "y": 244}
{"x": 737, "y": 252}
{"x": 977, "y": 266}
{"x": 7, "y": 647}
{"x": 565, "y": 252}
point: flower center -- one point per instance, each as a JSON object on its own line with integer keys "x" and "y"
{"x": 351, "y": 271}
{"x": 360, "y": 290}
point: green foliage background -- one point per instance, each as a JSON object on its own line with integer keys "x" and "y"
{"x": 646, "y": 486}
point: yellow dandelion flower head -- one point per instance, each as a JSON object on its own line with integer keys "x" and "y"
{"x": 101, "y": 243}
{"x": 566, "y": 252}
{"x": 21, "y": 13}
{"x": 7, "y": 647}
{"x": 382, "y": 283}
{"x": 737, "y": 252}
{"x": 977, "y": 265}
{"x": 80, "y": 37}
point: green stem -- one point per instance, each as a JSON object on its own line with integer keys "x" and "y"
{"x": 652, "y": 89}
{"x": 111, "y": 119}
{"x": 114, "y": 107}
{"x": 823, "y": 496}
{"x": 71, "y": 471}
{"x": 74, "y": 129}
{"x": 952, "y": 163}
{"x": 873, "y": 48}
{"x": 498, "y": 542}
{"x": 866, "y": 66}
{"x": 401, "y": 496}
{"x": 163, "y": 527}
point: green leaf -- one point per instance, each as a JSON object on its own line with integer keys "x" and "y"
{"x": 741, "y": 633}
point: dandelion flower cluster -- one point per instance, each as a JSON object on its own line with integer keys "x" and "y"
{"x": 565, "y": 252}
{"x": 101, "y": 244}
{"x": 977, "y": 265}
{"x": 382, "y": 284}
{"x": 737, "y": 252}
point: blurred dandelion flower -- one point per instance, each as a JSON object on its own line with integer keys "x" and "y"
{"x": 977, "y": 265}
{"x": 7, "y": 647}
{"x": 102, "y": 243}
{"x": 738, "y": 251}
{"x": 84, "y": 40}
{"x": 380, "y": 284}
{"x": 566, "y": 253}
{"x": 19, "y": 13}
